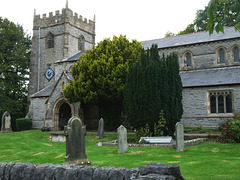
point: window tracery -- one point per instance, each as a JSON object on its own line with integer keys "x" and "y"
{"x": 220, "y": 102}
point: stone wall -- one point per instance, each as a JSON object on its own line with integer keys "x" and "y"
{"x": 204, "y": 55}
{"x": 27, "y": 171}
{"x": 39, "y": 106}
{"x": 196, "y": 106}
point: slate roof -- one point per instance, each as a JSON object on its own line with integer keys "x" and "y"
{"x": 73, "y": 57}
{"x": 44, "y": 92}
{"x": 211, "y": 77}
{"x": 195, "y": 38}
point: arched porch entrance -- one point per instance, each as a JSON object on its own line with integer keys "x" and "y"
{"x": 64, "y": 115}
{"x": 62, "y": 112}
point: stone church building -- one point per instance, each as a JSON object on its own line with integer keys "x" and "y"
{"x": 209, "y": 68}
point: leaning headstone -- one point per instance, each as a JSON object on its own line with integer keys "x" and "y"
{"x": 100, "y": 128}
{"x": 6, "y": 123}
{"x": 179, "y": 136}
{"x": 122, "y": 139}
{"x": 75, "y": 133}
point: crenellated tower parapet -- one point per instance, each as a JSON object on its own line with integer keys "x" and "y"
{"x": 66, "y": 16}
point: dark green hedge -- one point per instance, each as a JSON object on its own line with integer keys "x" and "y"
{"x": 23, "y": 124}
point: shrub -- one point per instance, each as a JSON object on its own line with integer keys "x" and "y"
{"x": 158, "y": 130}
{"x": 231, "y": 130}
{"x": 160, "y": 127}
{"x": 142, "y": 132}
{"x": 23, "y": 124}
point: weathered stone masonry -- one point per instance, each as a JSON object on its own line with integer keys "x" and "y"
{"x": 27, "y": 171}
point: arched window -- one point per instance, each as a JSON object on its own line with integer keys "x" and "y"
{"x": 236, "y": 54}
{"x": 221, "y": 55}
{"x": 189, "y": 59}
{"x": 50, "y": 40}
{"x": 81, "y": 43}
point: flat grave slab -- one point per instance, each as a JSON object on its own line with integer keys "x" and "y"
{"x": 156, "y": 140}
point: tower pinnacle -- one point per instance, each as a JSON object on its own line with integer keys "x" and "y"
{"x": 66, "y": 4}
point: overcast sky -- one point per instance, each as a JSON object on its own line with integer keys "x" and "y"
{"x": 137, "y": 19}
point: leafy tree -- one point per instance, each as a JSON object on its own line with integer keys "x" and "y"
{"x": 188, "y": 30}
{"x": 223, "y": 13}
{"x": 200, "y": 20}
{"x": 100, "y": 74}
{"x": 169, "y": 34}
{"x": 14, "y": 61}
{"x": 153, "y": 86}
{"x": 216, "y": 15}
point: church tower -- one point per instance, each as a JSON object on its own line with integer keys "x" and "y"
{"x": 56, "y": 37}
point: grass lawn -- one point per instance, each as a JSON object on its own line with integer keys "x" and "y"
{"x": 204, "y": 161}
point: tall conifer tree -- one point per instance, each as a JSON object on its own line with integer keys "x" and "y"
{"x": 152, "y": 85}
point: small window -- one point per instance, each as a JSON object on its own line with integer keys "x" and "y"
{"x": 236, "y": 54}
{"x": 220, "y": 102}
{"x": 81, "y": 43}
{"x": 50, "y": 41}
{"x": 189, "y": 59}
{"x": 221, "y": 55}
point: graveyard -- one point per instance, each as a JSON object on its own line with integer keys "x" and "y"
{"x": 208, "y": 160}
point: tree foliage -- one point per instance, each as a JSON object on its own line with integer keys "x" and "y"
{"x": 169, "y": 34}
{"x": 223, "y": 13}
{"x": 152, "y": 86}
{"x": 14, "y": 62}
{"x": 188, "y": 30}
{"x": 100, "y": 74}
{"x": 215, "y": 16}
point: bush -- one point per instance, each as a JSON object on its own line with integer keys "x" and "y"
{"x": 231, "y": 130}
{"x": 23, "y": 124}
{"x": 158, "y": 130}
{"x": 160, "y": 127}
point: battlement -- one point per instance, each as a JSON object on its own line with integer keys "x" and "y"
{"x": 66, "y": 16}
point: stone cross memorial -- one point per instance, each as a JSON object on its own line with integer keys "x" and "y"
{"x": 179, "y": 136}
{"x": 6, "y": 123}
{"x": 100, "y": 128}
{"x": 75, "y": 133}
{"x": 122, "y": 139}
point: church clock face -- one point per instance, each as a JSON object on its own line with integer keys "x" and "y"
{"x": 49, "y": 73}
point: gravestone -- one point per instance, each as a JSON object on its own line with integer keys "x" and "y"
{"x": 6, "y": 123}
{"x": 179, "y": 136}
{"x": 122, "y": 139}
{"x": 100, "y": 128}
{"x": 75, "y": 133}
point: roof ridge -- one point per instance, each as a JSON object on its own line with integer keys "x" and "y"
{"x": 183, "y": 34}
